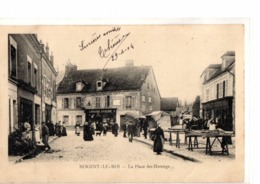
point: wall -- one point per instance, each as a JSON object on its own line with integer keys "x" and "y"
{"x": 150, "y": 89}
{"x": 212, "y": 86}
{"x": 117, "y": 100}
{"x": 13, "y": 110}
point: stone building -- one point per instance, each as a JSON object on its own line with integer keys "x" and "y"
{"x": 218, "y": 90}
{"x": 106, "y": 95}
{"x": 28, "y": 64}
{"x": 171, "y": 106}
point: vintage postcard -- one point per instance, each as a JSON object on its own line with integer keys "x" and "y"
{"x": 122, "y": 103}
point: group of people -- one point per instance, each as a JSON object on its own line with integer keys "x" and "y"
{"x": 49, "y": 129}
{"x": 197, "y": 123}
{"x": 91, "y": 128}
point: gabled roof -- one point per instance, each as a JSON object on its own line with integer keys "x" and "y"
{"x": 169, "y": 104}
{"x": 215, "y": 66}
{"x": 219, "y": 71}
{"x": 123, "y": 78}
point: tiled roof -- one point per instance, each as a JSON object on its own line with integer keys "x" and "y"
{"x": 219, "y": 71}
{"x": 169, "y": 104}
{"x": 123, "y": 78}
{"x": 228, "y": 53}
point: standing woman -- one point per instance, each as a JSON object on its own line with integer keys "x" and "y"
{"x": 87, "y": 133}
{"x": 77, "y": 128}
{"x": 158, "y": 140}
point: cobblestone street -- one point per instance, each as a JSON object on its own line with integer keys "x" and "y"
{"x": 102, "y": 149}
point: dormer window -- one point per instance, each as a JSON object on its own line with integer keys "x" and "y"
{"x": 224, "y": 64}
{"x": 79, "y": 86}
{"x": 99, "y": 85}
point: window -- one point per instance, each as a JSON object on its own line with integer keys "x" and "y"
{"x": 66, "y": 119}
{"x": 65, "y": 103}
{"x": 78, "y": 86}
{"x": 29, "y": 70}
{"x": 79, "y": 119}
{"x": 107, "y": 101}
{"x": 99, "y": 85}
{"x": 143, "y": 98}
{"x": 207, "y": 94}
{"x": 147, "y": 85}
{"x": 48, "y": 88}
{"x": 221, "y": 90}
{"x": 35, "y": 76}
{"x": 150, "y": 99}
{"x": 226, "y": 86}
{"x": 54, "y": 88}
{"x": 13, "y": 58}
{"x": 151, "y": 108}
{"x": 44, "y": 85}
{"x": 13, "y": 61}
{"x": 129, "y": 102}
{"x": 97, "y": 101}
{"x": 143, "y": 107}
{"x": 78, "y": 102}
{"x": 217, "y": 91}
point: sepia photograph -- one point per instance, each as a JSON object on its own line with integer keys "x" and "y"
{"x": 123, "y": 103}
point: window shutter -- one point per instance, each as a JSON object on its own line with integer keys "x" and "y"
{"x": 133, "y": 102}
{"x": 110, "y": 101}
{"x": 62, "y": 101}
{"x": 70, "y": 103}
{"x": 123, "y": 99}
{"x": 75, "y": 101}
{"x": 227, "y": 88}
{"x": 93, "y": 102}
{"x": 81, "y": 102}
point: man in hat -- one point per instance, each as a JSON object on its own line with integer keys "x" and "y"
{"x": 45, "y": 136}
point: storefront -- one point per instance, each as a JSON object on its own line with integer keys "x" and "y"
{"x": 220, "y": 108}
{"x": 26, "y": 112}
{"x": 101, "y": 115}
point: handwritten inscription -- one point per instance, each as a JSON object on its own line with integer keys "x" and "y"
{"x": 113, "y": 47}
{"x": 114, "y": 29}
{"x": 83, "y": 45}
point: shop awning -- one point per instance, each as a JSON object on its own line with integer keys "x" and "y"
{"x": 217, "y": 104}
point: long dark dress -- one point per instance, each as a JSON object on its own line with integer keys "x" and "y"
{"x": 158, "y": 141}
{"x": 87, "y": 135}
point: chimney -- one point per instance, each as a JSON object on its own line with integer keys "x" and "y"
{"x": 129, "y": 63}
{"x": 42, "y": 46}
{"x": 51, "y": 58}
{"x": 47, "y": 50}
{"x": 70, "y": 67}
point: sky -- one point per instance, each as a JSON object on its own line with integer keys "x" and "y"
{"x": 177, "y": 53}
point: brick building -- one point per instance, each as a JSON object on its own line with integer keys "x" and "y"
{"x": 106, "y": 95}
{"x": 28, "y": 64}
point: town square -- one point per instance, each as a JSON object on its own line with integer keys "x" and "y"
{"x": 158, "y": 97}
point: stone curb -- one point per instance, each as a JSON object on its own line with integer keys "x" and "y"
{"x": 170, "y": 151}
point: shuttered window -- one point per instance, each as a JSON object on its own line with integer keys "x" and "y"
{"x": 65, "y": 103}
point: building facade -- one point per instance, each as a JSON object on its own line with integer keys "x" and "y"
{"x": 106, "y": 95}
{"x": 172, "y": 107}
{"x": 26, "y": 57}
{"x": 218, "y": 91}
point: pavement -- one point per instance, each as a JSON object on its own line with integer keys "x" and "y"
{"x": 197, "y": 155}
{"x": 74, "y": 148}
